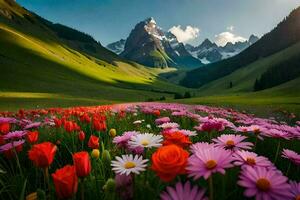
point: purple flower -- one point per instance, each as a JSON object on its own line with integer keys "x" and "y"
{"x": 122, "y": 141}
{"x": 183, "y": 192}
{"x": 11, "y": 145}
{"x": 246, "y": 158}
{"x": 32, "y": 125}
{"x": 232, "y": 142}
{"x": 295, "y": 189}
{"x": 264, "y": 184}
{"x": 124, "y": 186}
{"x": 7, "y": 120}
{"x": 200, "y": 146}
{"x": 14, "y": 135}
{"x": 204, "y": 162}
{"x": 162, "y": 120}
{"x": 292, "y": 156}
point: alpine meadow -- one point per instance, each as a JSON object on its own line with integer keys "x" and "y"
{"x": 146, "y": 100}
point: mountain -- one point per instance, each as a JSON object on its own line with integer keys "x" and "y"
{"x": 48, "y": 64}
{"x": 149, "y": 45}
{"x": 117, "y": 47}
{"x": 209, "y": 52}
{"x": 285, "y": 35}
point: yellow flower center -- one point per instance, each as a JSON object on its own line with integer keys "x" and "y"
{"x": 256, "y": 131}
{"x": 263, "y": 184}
{"x": 250, "y": 161}
{"x": 129, "y": 165}
{"x": 230, "y": 143}
{"x": 211, "y": 164}
{"x": 144, "y": 142}
{"x": 298, "y": 197}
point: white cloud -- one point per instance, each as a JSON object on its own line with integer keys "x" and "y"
{"x": 184, "y": 35}
{"x": 230, "y": 28}
{"x": 223, "y": 38}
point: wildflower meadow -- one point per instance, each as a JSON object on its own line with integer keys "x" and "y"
{"x": 148, "y": 151}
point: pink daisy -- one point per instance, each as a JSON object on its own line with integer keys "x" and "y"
{"x": 122, "y": 141}
{"x": 162, "y": 120}
{"x": 291, "y": 155}
{"x": 295, "y": 189}
{"x": 232, "y": 142}
{"x": 183, "y": 192}
{"x": 264, "y": 184}
{"x": 204, "y": 162}
{"x": 200, "y": 146}
{"x": 246, "y": 158}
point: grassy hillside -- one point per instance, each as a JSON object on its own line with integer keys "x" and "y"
{"x": 39, "y": 68}
{"x": 286, "y": 34}
{"x": 244, "y": 78}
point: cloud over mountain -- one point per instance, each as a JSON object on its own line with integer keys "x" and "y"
{"x": 184, "y": 35}
{"x": 223, "y": 38}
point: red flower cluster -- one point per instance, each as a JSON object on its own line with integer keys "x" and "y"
{"x": 71, "y": 126}
{"x": 176, "y": 138}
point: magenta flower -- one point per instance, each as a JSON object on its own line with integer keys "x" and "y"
{"x": 122, "y": 141}
{"x": 162, "y": 120}
{"x": 204, "y": 162}
{"x": 246, "y": 158}
{"x": 295, "y": 189}
{"x": 183, "y": 192}
{"x": 274, "y": 133}
{"x": 264, "y": 184}
{"x": 200, "y": 146}
{"x": 124, "y": 186}
{"x": 33, "y": 125}
{"x": 291, "y": 155}
{"x": 11, "y": 145}
{"x": 7, "y": 120}
{"x": 232, "y": 142}
{"x": 14, "y": 135}
{"x": 169, "y": 125}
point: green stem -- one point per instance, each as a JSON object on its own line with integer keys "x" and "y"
{"x": 255, "y": 143}
{"x": 17, "y": 159}
{"x": 82, "y": 189}
{"x": 211, "y": 188}
{"x": 277, "y": 152}
{"x": 288, "y": 169}
{"x": 46, "y": 178}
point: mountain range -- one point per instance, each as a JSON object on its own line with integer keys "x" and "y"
{"x": 208, "y": 52}
{"x": 149, "y": 45}
{"x": 271, "y": 61}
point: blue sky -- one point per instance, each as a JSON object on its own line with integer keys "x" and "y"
{"x": 218, "y": 20}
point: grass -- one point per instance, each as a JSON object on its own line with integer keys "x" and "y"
{"x": 40, "y": 69}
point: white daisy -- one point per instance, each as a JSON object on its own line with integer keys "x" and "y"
{"x": 129, "y": 164}
{"x": 146, "y": 140}
{"x": 169, "y": 125}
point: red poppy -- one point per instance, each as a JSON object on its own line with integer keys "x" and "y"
{"x": 81, "y": 136}
{"x": 4, "y": 128}
{"x": 65, "y": 181}
{"x": 93, "y": 142}
{"x": 177, "y": 138}
{"x": 42, "y": 154}
{"x": 32, "y": 136}
{"x": 82, "y": 163}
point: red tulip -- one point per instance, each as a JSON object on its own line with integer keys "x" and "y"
{"x": 4, "y": 128}
{"x": 93, "y": 142}
{"x": 42, "y": 154}
{"x": 65, "y": 182}
{"x": 58, "y": 122}
{"x": 85, "y": 118}
{"x": 99, "y": 125}
{"x": 82, "y": 163}
{"x": 81, "y": 136}
{"x": 32, "y": 137}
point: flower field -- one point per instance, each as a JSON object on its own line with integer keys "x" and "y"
{"x": 148, "y": 151}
